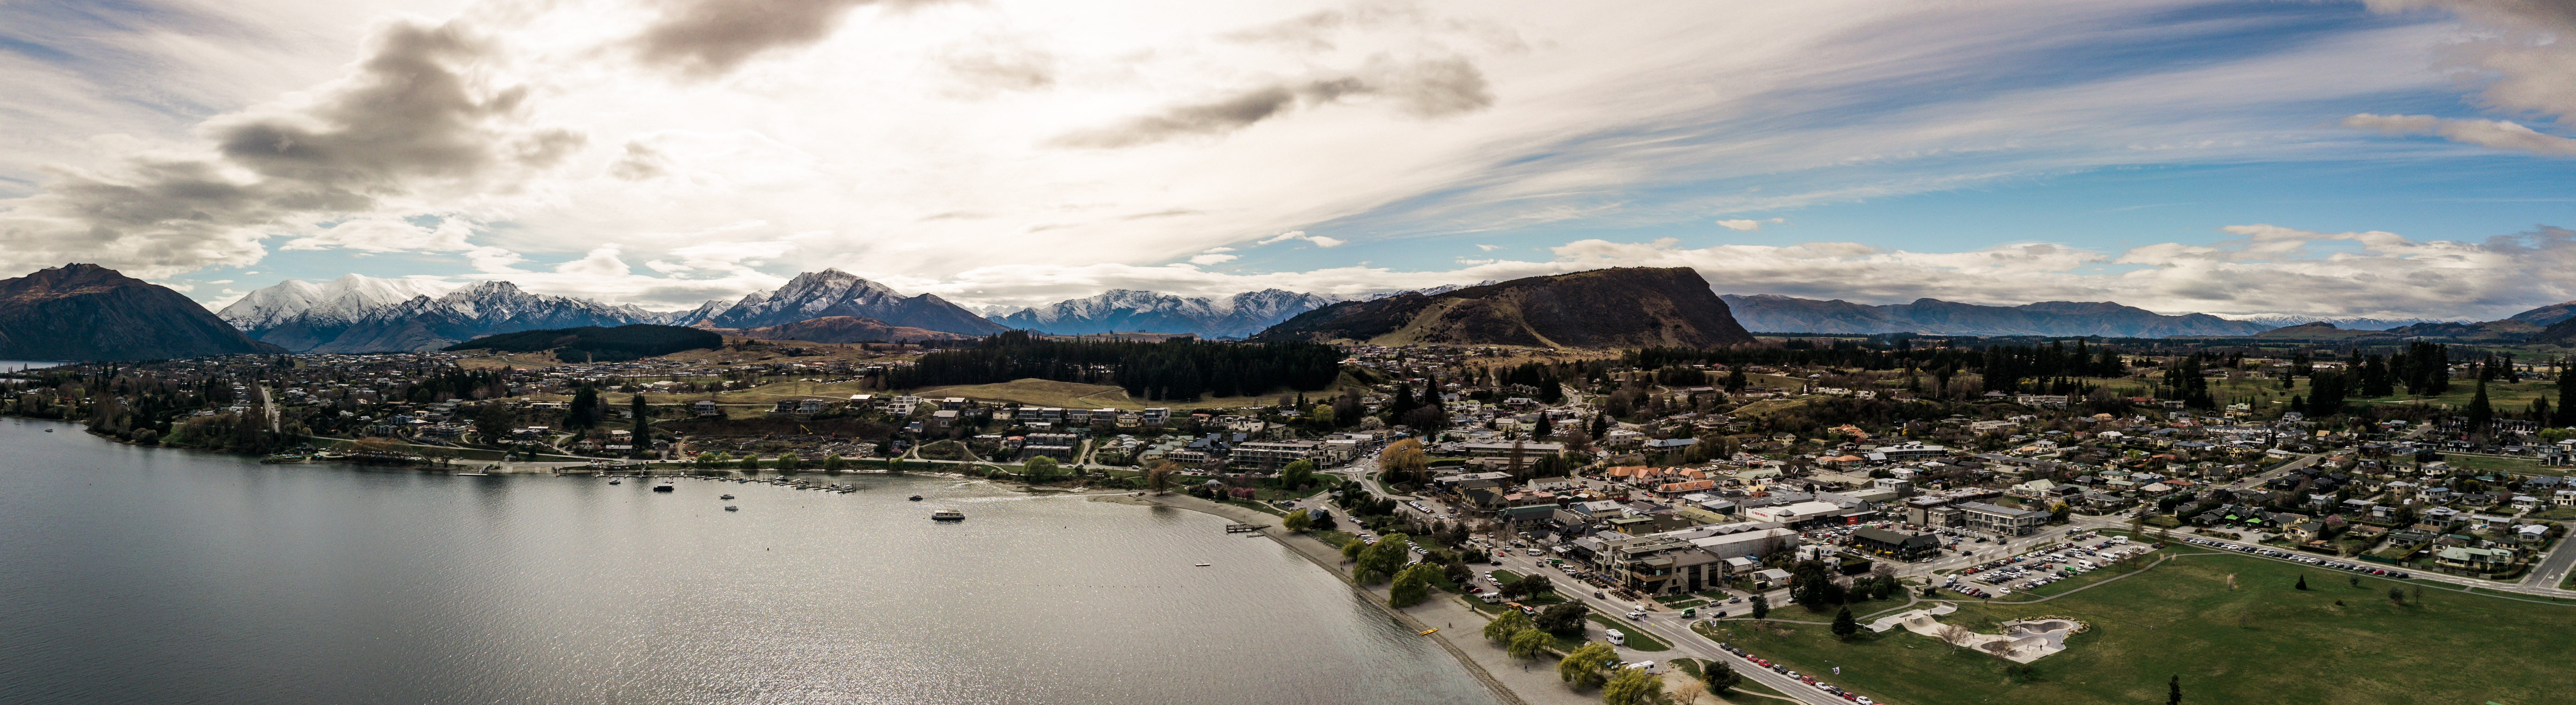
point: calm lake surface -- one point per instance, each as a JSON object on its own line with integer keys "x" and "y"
{"x": 132, "y": 575}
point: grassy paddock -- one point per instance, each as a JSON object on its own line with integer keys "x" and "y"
{"x": 2180, "y": 618}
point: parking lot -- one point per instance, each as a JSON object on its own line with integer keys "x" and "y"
{"x": 2298, "y": 558}
{"x": 2083, "y": 553}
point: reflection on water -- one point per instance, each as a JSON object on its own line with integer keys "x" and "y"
{"x": 134, "y": 575}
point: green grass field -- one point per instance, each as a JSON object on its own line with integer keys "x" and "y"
{"x": 2480, "y": 464}
{"x": 2290, "y": 647}
{"x": 1637, "y": 638}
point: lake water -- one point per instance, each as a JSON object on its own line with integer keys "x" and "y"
{"x": 16, "y": 365}
{"x": 131, "y": 575}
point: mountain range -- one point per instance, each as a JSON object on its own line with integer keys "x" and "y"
{"x": 841, "y": 329}
{"x": 89, "y": 312}
{"x": 1782, "y": 314}
{"x": 1128, "y": 310}
{"x": 423, "y": 323}
{"x": 355, "y": 314}
{"x": 1602, "y": 308}
{"x": 2283, "y": 320}
{"x": 833, "y": 292}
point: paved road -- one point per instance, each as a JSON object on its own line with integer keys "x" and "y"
{"x": 2545, "y": 578}
{"x": 1672, "y": 629}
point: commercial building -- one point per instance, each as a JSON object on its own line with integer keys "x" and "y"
{"x": 1900, "y": 546}
{"x": 2007, "y": 521}
{"x": 1800, "y": 513}
{"x": 1272, "y": 455}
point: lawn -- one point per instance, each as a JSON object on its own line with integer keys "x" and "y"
{"x": 2483, "y": 464}
{"x": 2180, "y": 618}
{"x": 1638, "y": 639}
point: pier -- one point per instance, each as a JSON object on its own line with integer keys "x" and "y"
{"x": 1241, "y": 528}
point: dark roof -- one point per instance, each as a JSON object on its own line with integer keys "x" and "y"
{"x": 1896, "y": 539}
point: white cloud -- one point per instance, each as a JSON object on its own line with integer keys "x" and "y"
{"x": 885, "y": 134}
{"x": 2269, "y": 269}
{"x": 2497, "y": 134}
{"x": 1316, "y": 240}
{"x": 2522, "y": 55}
{"x": 1740, "y": 224}
{"x": 1489, "y": 248}
{"x": 1213, "y": 259}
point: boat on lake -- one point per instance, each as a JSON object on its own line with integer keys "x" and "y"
{"x": 916, "y": 498}
{"x": 665, "y": 487}
{"x": 731, "y": 508}
{"x": 725, "y": 497}
{"x": 947, "y": 515}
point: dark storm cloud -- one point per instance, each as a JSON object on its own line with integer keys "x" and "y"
{"x": 1427, "y": 89}
{"x": 706, "y": 38}
{"x": 412, "y": 120}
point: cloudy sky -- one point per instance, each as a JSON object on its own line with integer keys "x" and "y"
{"x": 2388, "y": 158}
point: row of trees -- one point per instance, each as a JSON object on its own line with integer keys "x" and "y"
{"x": 1173, "y": 370}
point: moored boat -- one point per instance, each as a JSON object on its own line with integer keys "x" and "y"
{"x": 947, "y": 515}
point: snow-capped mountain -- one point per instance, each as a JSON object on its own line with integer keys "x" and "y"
{"x": 341, "y": 300}
{"x": 352, "y": 314}
{"x": 1129, "y": 310}
{"x": 478, "y": 309}
{"x": 833, "y": 292}
{"x": 1432, "y": 291}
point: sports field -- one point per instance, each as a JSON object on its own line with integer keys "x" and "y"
{"x": 2260, "y": 642}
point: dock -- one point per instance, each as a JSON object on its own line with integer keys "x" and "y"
{"x": 1241, "y": 528}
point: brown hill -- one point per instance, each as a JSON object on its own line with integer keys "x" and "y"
{"x": 840, "y": 329}
{"x": 2563, "y": 333}
{"x": 89, "y": 312}
{"x": 1602, "y": 308}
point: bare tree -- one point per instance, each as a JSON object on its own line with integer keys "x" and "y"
{"x": 1688, "y": 692}
{"x": 1956, "y": 636}
{"x": 1998, "y": 647}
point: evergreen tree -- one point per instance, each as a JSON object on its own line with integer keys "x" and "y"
{"x": 643, "y": 412}
{"x": 2566, "y": 401}
{"x": 1844, "y": 625}
{"x": 2480, "y": 413}
{"x": 584, "y": 410}
{"x": 2173, "y": 691}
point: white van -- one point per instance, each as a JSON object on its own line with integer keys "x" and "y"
{"x": 1617, "y": 638}
{"x": 1647, "y": 666}
{"x": 1492, "y": 598}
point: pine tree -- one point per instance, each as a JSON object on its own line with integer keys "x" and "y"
{"x": 643, "y": 412}
{"x": 2303, "y": 582}
{"x": 1844, "y": 625}
{"x": 2173, "y": 691}
{"x": 2566, "y": 400}
{"x": 2480, "y": 413}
